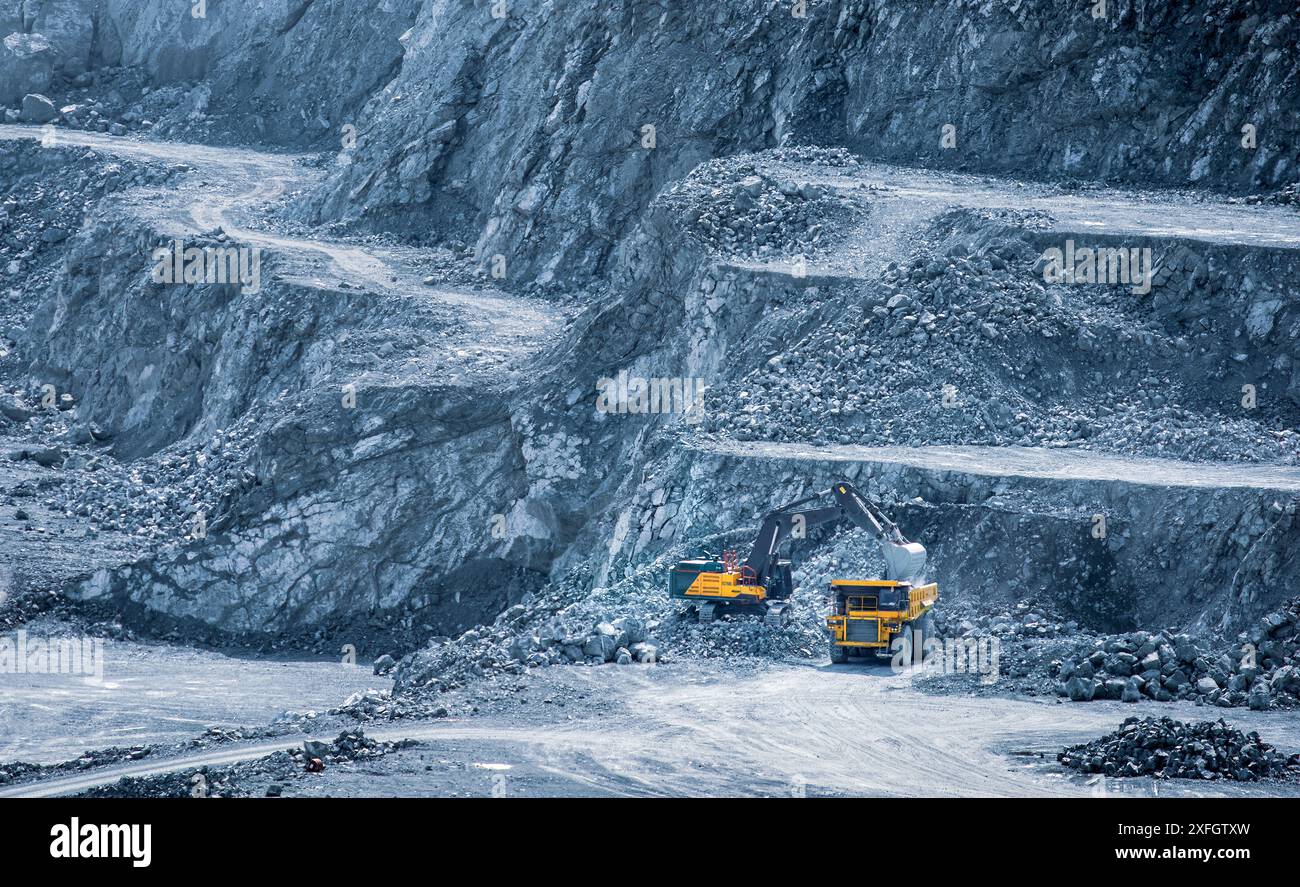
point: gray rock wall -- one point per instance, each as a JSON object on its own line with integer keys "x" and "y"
{"x": 524, "y": 134}
{"x": 288, "y": 72}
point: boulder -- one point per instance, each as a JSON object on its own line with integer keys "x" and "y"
{"x": 37, "y": 109}
{"x": 1115, "y": 687}
{"x": 1132, "y": 690}
{"x": 13, "y": 408}
{"x": 523, "y": 646}
{"x": 1080, "y": 689}
{"x": 26, "y": 65}
{"x": 314, "y": 748}
{"x": 1260, "y": 699}
{"x": 1287, "y": 680}
{"x": 602, "y": 643}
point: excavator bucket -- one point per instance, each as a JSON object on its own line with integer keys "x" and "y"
{"x": 904, "y": 561}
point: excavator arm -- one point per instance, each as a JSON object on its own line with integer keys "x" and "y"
{"x": 903, "y": 559}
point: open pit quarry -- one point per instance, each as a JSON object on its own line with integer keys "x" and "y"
{"x": 366, "y": 368}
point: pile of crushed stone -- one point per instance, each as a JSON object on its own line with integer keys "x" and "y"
{"x": 966, "y": 344}
{"x": 1169, "y": 749}
{"x": 746, "y": 211}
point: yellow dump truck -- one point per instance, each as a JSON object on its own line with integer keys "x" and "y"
{"x": 870, "y": 615}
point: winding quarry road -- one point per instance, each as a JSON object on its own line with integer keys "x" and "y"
{"x": 228, "y": 185}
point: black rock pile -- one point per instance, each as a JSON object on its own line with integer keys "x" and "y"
{"x": 1170, "y": 749}
{"x": 1045, "y": 653}
{"x": 1263, "y": 672}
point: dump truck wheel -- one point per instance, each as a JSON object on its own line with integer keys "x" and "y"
{"x": 839, "y": 655}
{"x": 924, "y": 627}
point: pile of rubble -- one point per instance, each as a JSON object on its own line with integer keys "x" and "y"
{"x": 1026, "y": 620}
{"x": 268, "y": 776}
{"x": 168, "y": 497}
{"x": 1169, "y": 749}
{"x": 88, "y": 114}
{"x": 965, "y": 344}
{"x": 19, "y": 771}
{"x": 171, "y": 496}
{"x": 1287, "y": 195}
{"x": 1043, "y": 654}
{"x": 632, "y": 621}
{"x": 38, "y": 213}
{"x": 110, "y": 100}
{"x": 382, "y": 705}
{"x": 743, "y": 211}
{"x": 1263, "y": 672}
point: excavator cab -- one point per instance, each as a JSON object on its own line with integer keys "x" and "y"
{"x": 713, "y": 587}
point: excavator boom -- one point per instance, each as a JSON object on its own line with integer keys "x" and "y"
{"x": 904, "y": 560}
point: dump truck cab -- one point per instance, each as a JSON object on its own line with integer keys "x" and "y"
{"x": 868, "y": 615}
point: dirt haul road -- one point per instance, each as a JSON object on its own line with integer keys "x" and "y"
{"x": 228, "y": 187}
{"x": 1033, "y": 462}
{"x": 731, "y": 729}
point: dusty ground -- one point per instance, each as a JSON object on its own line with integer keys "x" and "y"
{"x": 691, "y": 729}
{"x": 154, "y": 693}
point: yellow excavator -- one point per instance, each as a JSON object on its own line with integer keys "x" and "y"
{"x": 868, "y": 615}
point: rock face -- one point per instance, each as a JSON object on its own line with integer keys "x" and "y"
{"x": 385, "y": 514}
{"x": 388, "y": 527}
{"x": 293, "y": 73}
{"x": 631, "y": 96}
{"x": 477, "y": 468}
